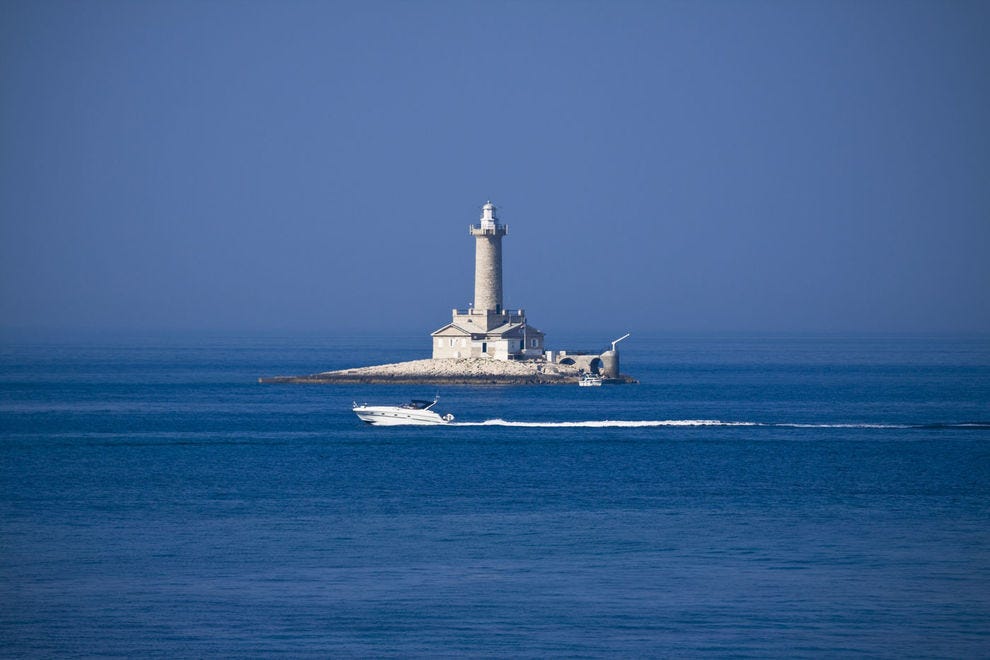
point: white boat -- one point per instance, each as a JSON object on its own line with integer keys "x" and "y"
{"x": 590, "y": 380}
{"x": 417, "y": 411}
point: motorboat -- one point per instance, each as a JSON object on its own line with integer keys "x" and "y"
{"x": 590, "y": 380}
{"x": 417, "y": 411}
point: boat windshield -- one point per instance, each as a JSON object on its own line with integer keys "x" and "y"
{"x": 419, "y": 404}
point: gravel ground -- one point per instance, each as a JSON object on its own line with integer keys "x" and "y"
{"x": 449, "y": 370}
{"x": 458, "y": 367}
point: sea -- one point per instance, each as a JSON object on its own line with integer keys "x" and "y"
{"x": 753, "y": 496}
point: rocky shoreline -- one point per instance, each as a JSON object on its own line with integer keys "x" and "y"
{"x": 449, "y": 371}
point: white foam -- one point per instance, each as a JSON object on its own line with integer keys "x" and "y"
{"x": 608, "y": 423}
{"x": 842, "y": 426}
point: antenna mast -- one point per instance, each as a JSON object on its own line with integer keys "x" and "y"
{"x": 619, "y": 339}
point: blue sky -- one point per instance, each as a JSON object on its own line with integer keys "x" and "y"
{"x": 662, "y": 166}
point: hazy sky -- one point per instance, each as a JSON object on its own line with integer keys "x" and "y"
{"x": 662, "y": 166}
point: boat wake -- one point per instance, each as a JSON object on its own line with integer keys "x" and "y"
{"x": 607, "y": 423}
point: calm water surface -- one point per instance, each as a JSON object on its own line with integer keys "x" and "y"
{"x": 776, "y": 497}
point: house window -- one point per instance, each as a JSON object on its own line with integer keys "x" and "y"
{"x": 521, "y": 342}
{"x": 451, "y": 342}
{"x": 533, "y": 343}
{"x": 484, "y": 347}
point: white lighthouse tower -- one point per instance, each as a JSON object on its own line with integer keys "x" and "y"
{"x": 488, "y": 260}
{"x": 486, "y": 328}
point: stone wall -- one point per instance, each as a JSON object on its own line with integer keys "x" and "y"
{"x": 583, "y": 363}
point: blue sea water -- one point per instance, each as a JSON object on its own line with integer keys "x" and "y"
{"x": 755, "y": 497}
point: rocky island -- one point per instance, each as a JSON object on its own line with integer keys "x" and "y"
{"x": 452, "y": 371}
{"x": 485, "y": 343}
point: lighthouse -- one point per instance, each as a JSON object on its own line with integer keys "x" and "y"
{"x": 486, "y": 328}
{"x": 488, "y": 260}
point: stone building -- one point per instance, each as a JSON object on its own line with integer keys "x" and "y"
{"x": 486, "y": 328}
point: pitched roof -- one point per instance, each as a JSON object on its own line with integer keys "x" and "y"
{"x": 454, "y": 330}
{"x": 505, "y": 331}
{"x": 533, "y": 331}
{"x": 514, "y": 330}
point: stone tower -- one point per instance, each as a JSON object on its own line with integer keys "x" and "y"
{"x": 488, "y": 261}
{"x": 486, "y": 328}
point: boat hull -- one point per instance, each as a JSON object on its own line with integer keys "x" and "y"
{"x": 392, "y": 416}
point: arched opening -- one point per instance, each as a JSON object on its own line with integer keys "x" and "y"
{"x": 567, "y": 360}
{"x": 595, "y": 366}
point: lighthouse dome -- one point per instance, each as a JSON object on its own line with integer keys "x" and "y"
{"x": 488, "y": 214}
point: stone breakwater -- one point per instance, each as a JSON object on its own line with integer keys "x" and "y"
{"x": 448, "y": 371}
